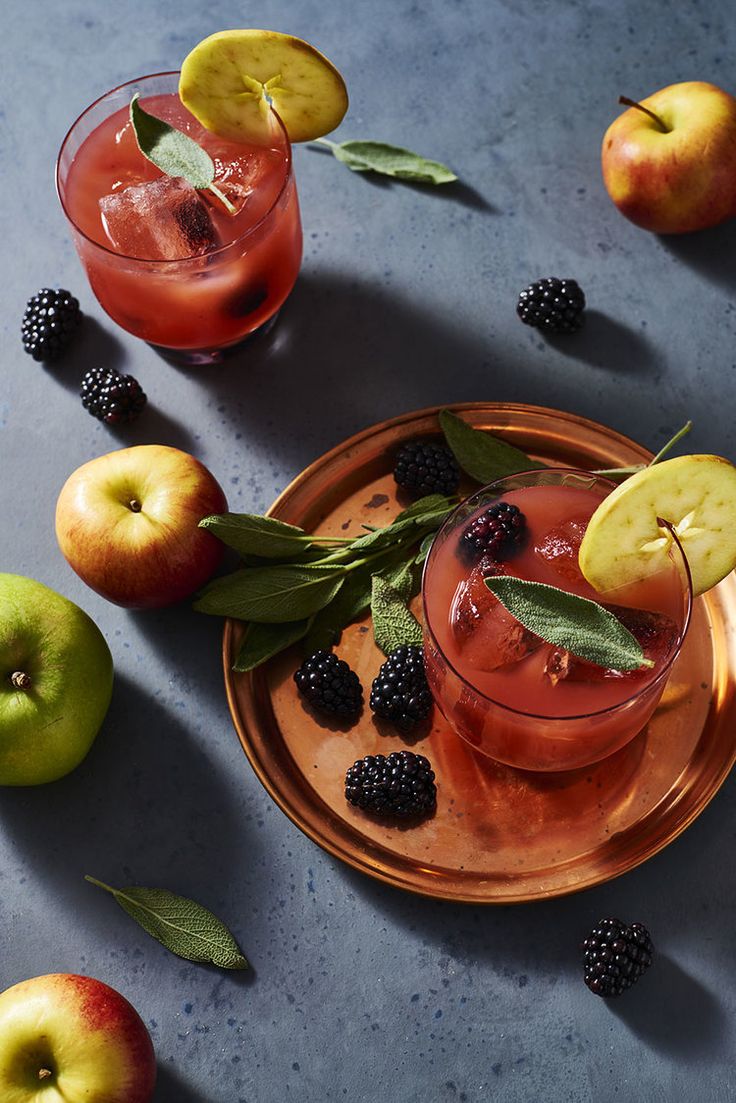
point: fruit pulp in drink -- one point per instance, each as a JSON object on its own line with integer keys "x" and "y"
{"x": 241, "y": 277}
{"x": 522, "y": 700}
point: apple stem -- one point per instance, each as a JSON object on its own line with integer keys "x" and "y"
{"x": 632, "y": 103}
{"x": 135, "y": 505}
{"x": 43, "y": 1074}
{"x": 20, "y": 680}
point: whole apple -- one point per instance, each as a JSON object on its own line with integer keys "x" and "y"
{"x": 72, "y": 1038}
{"x": 669, "y": 163}
{"x": 127, "y": 524}
{"x": 55, "y": 682}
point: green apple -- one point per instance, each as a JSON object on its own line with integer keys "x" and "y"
{"x": 71, "y": 1039}
{"x": 55, "y": 682}
{"x": 669, "y": 162}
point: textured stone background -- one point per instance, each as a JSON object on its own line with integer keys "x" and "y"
{"x": 406, "y": 299}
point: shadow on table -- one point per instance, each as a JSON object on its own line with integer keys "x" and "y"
{"x": 170, "y": 1088}
{"x": 711, "y": 252}
{"x": 605, "y": 343}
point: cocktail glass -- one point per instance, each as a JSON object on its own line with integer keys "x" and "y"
{"x": 513, "y": 697}
{"x": 198, "y": 309}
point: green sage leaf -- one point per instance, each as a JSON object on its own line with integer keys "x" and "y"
{"x": 172, "y": 151}
{"x": 393, "y": 623}
{"x": 351, "y": 602}
{"x": 430, "y": 505}
{"x": 482, "y": 456}
{"x": 271, "y": 595}
{"x": 184, "y": 927}
{"x": 401, "y": 577}
{"x": 388, "y": 160}
{"x": 578, "y": 625}
{"x": 378, "y": 539}
{"x": 263, "y": 641}
{"x": 424, "y": 547}
{"x": 251, "y": 534}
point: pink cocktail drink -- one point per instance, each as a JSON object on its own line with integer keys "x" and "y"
{"x": 169, "y": 263}
{"x": 513, "y": 696}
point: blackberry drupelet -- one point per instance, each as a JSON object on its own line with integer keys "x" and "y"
{"x": 50, "y": 320}
{"x": 552, "y": 305}
{"x": 424, "y": 467}
{"x": 498, "y": 532}
{"x": 615, "y": 956}
{"x": 400, "y": 692}
{"x": 112, "y": 397}
{"x": 330, "y": 685}
{"x": 400, "y": 784}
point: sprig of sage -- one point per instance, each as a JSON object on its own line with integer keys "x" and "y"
{"x": 388, "y": 160}
{"x": 394, "y": 625}
{"x": 174, "y": 152}
{"x": 184, "y": 927}
{"x": 577, "y": 624}
{"x": 481, "y": 455}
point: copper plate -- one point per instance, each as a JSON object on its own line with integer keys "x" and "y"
{"x": 499, "y": 835}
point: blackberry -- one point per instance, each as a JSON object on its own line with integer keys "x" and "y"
{"x": 400, "y": 692}
{"x": 615, "y": 956}
{"x": 49, "y": 322}
{"x": 424, "y": 467}
{"x": 112, "y": 397}
{"x": 555, "y": 306}
{"x": 400, "y": 784}
{"x": 330, "y": 685}
{"x": 498, "y": 532}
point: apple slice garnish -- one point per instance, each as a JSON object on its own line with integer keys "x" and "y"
{"x": 696, "y": 495}
{"x": 232, "y": 78}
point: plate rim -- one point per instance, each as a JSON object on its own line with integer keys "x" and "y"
{"x": 315, "y": 832}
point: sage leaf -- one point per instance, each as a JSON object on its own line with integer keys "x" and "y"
{"x": 378, "y": 539}
{"x": 388, "y": 160}
{"x": 580, "y": 626}
{"x": 184, "y": 927}
{"x": 263, "y": 641}
{"x": 424, "y": 547}
{"x": 272, "y": 595}
{"x": 393, "y": 623}
{"x": 401, "y": 577}
{"x": 431, "y": 505}
{"x": 351, "y": 602}
{"x": 173, "y": 151}
{"x": 482, "y": 456}
{"x": 251, "y": 534}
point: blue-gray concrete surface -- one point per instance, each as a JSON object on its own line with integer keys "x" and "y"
{"x": 406, "y": 299}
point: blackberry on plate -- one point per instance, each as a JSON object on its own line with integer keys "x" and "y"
{"x": 329, "y": 685}
{"x": 50, "y": 320}
{"x": 615, "y": 956}
{"x": 497, "y": 531}
{"x": 112, "y": 397}
{"x": 400, "y": 784}
{"x": 424, "y": 467}
{"x": 552, "y": 305}
{"x": 400, "y": 692}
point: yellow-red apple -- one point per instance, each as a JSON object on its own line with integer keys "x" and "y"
{"x": 72, "y": 1038}
{"x": 127, "y": 523}
{"x": 669, "y": 163}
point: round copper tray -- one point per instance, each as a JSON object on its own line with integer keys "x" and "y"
{"x": 499, "y": 835}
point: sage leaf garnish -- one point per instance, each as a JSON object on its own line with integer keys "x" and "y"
{"x": 251, "y": 534}
{"x": 272, "y": 595}
{"x": 263, "y": 641}
{"x": 427, "y": 506}
{"x": 174, "y": 152}
{"x": 393, "y": 623}
{"x": 481, "y": 455}
{"x": 184, "y": 927}
{"x": 351, "y": 602}
{"x": 368, "y": 156}
{"x": 401, "y": 577}
{"x": 580, "y": 626}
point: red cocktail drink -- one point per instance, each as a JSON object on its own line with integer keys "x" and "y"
{"x": 170, "y": 264}
{"x": 513, "y": 696}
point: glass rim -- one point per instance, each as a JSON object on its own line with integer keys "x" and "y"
{"x": 676, "y": 647}
{"x": 149, "y": 260}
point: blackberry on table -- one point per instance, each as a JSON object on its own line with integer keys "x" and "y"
{"x": 50, "y": 320}
{"x": 615, "y": 956}
{"x": 424, "y": 467}
{"x": 399, "y": 784}
{"x": 112, "y": 397}
{"x": 329, "y": 685}
{"x": 400, "y": 692}
{"x": 552, "y": 305}
{"x": 497, "y": 531}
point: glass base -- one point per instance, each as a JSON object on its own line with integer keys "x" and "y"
{"x": 203, "y": 357}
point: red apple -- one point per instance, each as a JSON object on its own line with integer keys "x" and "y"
{"x": 127, "y": 524}
{"x": 669, "y": 163}
{"x": 73, "y": 1038}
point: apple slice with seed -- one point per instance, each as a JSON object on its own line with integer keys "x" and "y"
{"x": 230, "y": 79}
{"x": 625, "y": 541}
